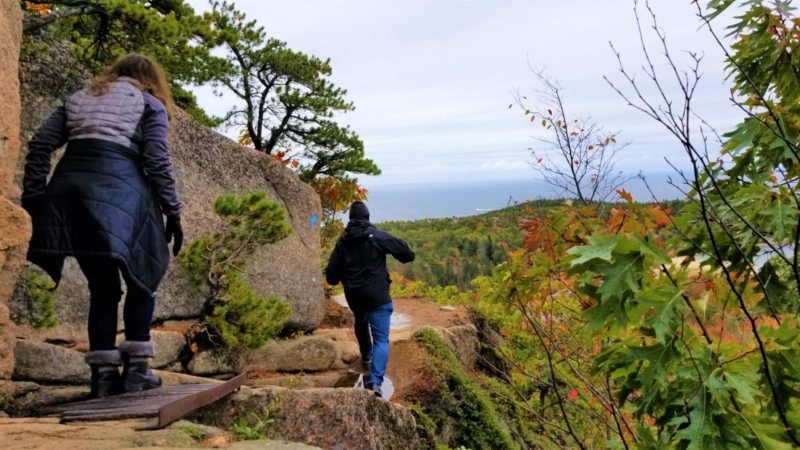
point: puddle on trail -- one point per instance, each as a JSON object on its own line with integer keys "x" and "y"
{"x": 399, "y": 320}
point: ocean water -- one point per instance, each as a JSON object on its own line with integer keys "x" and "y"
{"x": 459, "y": 199}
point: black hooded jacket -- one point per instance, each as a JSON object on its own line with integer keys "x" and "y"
{"x": 359, "y": 262}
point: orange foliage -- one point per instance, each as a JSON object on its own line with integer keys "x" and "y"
{"x": 40, "y": 9}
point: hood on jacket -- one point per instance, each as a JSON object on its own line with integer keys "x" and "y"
{"x": 358, "y": 229}
{"x": 359, "y": 211}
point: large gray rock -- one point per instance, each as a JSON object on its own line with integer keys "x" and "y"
{"x": 328, "y": 418}
{"x": 207, "y": 164}
{"x": 300, "y": 354}
{"x": 169, "y": 346}
{"x": 48, "y": 363}
{"x": 348, "y": 351}
{"x": 208, "y": 362}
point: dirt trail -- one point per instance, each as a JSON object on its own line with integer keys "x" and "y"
{"x": 413, "y": 313}
{"x": 405, "y": 360}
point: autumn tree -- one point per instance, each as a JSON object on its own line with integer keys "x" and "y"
{"x": 673, "y": 331}
{"x": 575, "y": 155}
{"x": 103, "y": 30}
{"x": 742, "y": 224}
{"x": 336, "y": 195}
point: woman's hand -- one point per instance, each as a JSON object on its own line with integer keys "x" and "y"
{"x": 174, "y": 229}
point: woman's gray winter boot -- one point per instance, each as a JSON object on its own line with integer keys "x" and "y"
{"x": 136, "y": 373}
{"x": 106, "y": 380}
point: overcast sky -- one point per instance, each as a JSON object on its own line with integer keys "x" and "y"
{"x": 432, "y": 79}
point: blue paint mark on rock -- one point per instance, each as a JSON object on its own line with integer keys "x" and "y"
{"x": 313, "y": 221}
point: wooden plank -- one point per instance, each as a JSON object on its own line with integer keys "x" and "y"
{"x": 168, "y": 403}
{"x": 161, "y": 395}
{"x": 183, "y": 406}
{"x": 142, "y": 412}
{"x": 119, "y": 401}
{"x": 130, "y": 403}
{"x": 125, "y": 407}
{"x": 117, "y": 415}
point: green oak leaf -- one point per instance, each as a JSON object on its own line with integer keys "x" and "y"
{"x": 600, "y": 247}
{"x": 668, "y": 307}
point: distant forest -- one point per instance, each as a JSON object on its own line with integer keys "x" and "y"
{"x": 454, "y": 251}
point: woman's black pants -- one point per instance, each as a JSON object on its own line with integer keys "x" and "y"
{"x": 105, "y": 291}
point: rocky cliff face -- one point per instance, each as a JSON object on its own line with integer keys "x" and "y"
{"x": 14, "y": 222}
{"x": 207, "y": 164}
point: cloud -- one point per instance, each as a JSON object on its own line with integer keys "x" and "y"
{"x": 432, "y": 79}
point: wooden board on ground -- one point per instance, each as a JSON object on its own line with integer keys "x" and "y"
{"x": 168, "y": 403}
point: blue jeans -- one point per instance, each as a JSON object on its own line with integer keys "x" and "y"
{"x": 372, "y": 332}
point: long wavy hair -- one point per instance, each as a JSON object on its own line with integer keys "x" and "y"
{"x": 148, "y": 73}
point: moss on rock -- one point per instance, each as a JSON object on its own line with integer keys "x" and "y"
{"x": 463, "y": 413}
{"x": 34, "y": 303}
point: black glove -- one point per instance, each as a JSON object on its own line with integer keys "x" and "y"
{"x": 174, "y": 229}
{"x": 31, "y": 204}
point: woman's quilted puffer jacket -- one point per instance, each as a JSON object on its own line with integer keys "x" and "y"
{"x": 107, "y": 195}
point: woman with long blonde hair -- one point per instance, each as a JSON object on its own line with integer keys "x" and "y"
{"x": 104, "y": 205}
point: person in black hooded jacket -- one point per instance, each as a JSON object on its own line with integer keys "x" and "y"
{"x": 359, "y": 262}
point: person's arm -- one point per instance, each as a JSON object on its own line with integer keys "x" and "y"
{"x": 398, "y": 248}
{"x": 155, "y": 157}
{"x": 47, "y": 139}
{"x": 333, "y": 273}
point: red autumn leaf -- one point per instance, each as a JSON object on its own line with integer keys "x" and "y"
{"x": 572, "y": 394}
